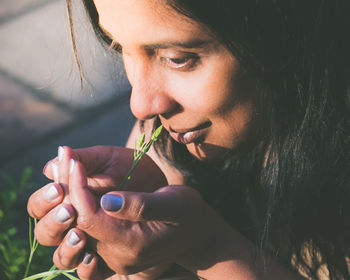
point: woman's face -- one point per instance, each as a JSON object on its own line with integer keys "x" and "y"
{"x": 181, "y": 73}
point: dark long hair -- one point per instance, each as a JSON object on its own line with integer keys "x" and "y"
{"x": 289, "y": 192}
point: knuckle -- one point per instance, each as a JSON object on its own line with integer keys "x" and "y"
{"x": 32, "y": 212}
{"x": 59, "y": 261}
{"x": 138, "y": 208}
{"x": 33, "y": 209}
{"x": 84, "y": 222}
{"x": 64, "y": 260}
{"x": 46, "y": 237}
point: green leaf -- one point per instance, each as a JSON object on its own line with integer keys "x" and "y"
{"x": 141, "y": 140}
{"x": 43, "y": 274}
{"x": 12, "y": 231}
{"x": 9, "y": 180}
{"x": 53, "y": 275}
{"x": 156, "y": 133}
{"x": 27, "y": 173}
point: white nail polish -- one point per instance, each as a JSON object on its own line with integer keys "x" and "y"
{"x": 60, "y": 153}
{"x": 62, "y": 215}
{"x": 71, "y": 165}
{"x": 54, "y": 167}
{"x": 73, "y": 239}
{"x": 51, "y": 193}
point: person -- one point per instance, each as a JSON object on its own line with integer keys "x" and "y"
{"x": 250, "y": 177}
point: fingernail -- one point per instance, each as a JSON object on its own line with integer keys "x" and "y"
{"x": 54, "y": 167}
{"x": 46, "y": 165}
{"x": 111, "y": 202}
{"x": 73, "y": 239}
{"x": 62, "y": 215}
{"x": 51, "y": 193}
{"x": 71, "y": 165}
{"x": 60, "y": 153}
{"x": 87, "y": 259}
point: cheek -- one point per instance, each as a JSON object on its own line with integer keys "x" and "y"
{"x": 203, "y": 92}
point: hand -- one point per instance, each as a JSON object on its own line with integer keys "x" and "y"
{"x": 136, "y": 231}
{"x": 106, "y": 166}
{"x": 72, "y": 253}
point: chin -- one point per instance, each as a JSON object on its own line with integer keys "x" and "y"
{"x": 207, "y": 152}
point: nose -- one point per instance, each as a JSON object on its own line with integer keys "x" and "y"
{"x": 149, "y": 96}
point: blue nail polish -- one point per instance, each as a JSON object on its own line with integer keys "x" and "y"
{"x": 111, "y": 202}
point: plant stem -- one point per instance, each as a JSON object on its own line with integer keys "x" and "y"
{"x": 33, "y": 246}
{"x": 29, "y": 263}
{"x": 138, "y": 154}
{"x": 48, "y": 273}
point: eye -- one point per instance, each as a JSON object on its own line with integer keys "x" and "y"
{"x": 184, "y": 63}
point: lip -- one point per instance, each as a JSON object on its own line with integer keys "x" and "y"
{"x": 187, "y": 136}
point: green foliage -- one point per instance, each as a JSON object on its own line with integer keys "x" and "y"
{"x": 13, "y": 249}
{"x": 141, "y": 148}
{"x": 16, "y": 261}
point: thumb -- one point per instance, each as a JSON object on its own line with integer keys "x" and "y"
{"x": 167, "y": 204}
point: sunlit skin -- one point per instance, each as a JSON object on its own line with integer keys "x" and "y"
{"x": 181, "y": 73}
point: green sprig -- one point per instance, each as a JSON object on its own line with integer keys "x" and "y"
{"x": 141, "y": 148}
{"x": 33, "y": 243}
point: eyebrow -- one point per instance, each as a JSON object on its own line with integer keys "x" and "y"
{"x": 192, "y": 44}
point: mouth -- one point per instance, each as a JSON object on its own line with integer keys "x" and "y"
{"x": 192, "y": 135}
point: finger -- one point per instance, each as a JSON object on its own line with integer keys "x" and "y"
{"x": 53, "y": 168}
{"x": 65, "y": 155}
{"x": 44, "y": 200}
{"x": 88, "y": 268}
{"x": 82, "y": 199}
{"x": 69, "y": 252}
{"x": 92, "y": 159}
{"x": 90, "y": 218}
{"x": 49, "y": 171}
{"x": 104, "y": 173}
{"x": 168, "y": 204}
{"x": 106, "y": 166}
{"x": 50, "y": 229}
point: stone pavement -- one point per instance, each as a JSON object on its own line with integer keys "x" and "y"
{"x": 42, "y": 104}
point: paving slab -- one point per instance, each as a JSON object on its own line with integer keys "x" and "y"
{"x": 111, "y": 128}
{"x": 37, "y": 49}
{"x": 23, "y": 119}
{"x": 10, "y": 8}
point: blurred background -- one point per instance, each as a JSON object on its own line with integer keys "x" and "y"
{"x": 42, "y": 104}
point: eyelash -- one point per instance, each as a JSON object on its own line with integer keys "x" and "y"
{"x": 186, "y": 63}
{"x": 183, "y": 64}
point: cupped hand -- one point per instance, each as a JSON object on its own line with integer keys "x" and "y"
{"x": 72, "y": 253}
{"x": 134, "y": 231}
{"x": 105, "y": 166}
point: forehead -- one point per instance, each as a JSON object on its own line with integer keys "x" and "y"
{"x": 146, "y": 21}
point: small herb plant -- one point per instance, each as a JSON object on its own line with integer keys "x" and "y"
{"x": 13, "y": 256}
{"x": 141, "y": 148}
